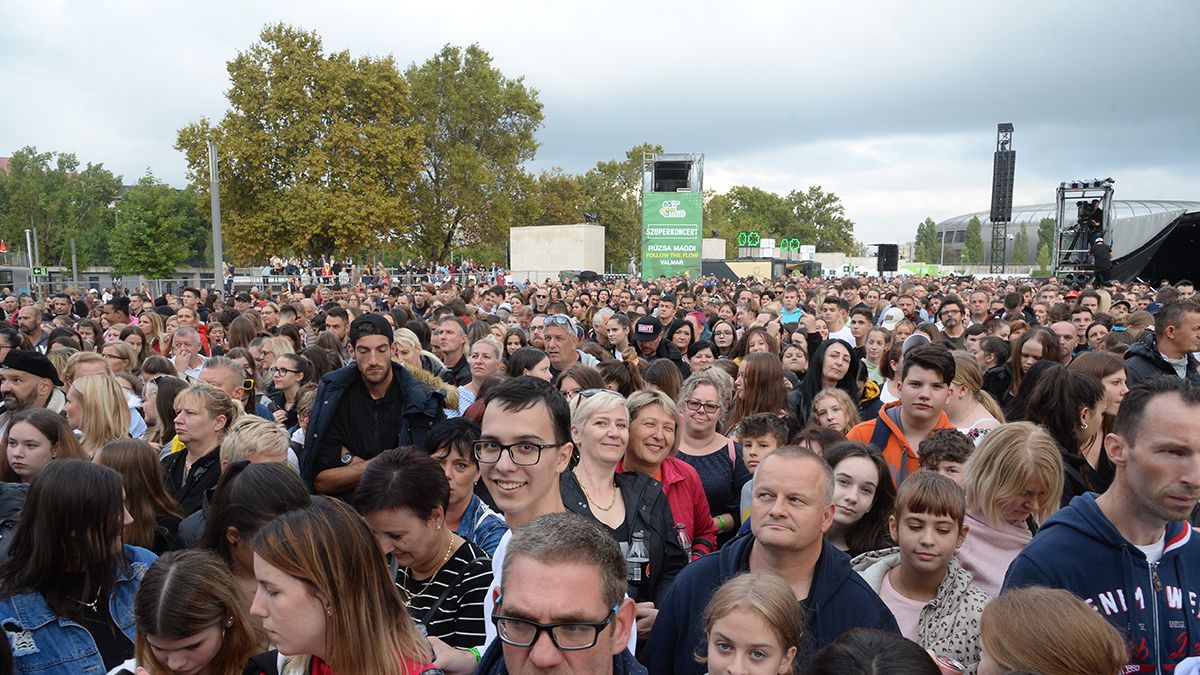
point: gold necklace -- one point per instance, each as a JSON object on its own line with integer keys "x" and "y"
{"x": 445, "y": 559}
{"x": 611, "y": 503}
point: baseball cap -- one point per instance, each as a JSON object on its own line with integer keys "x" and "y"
{"x": 647, "y": 329}
{"x": 32, "y": 363}
{"x": 1099, "y": 240}
{"x": 370, "y": 324}
{"x": 891, "y": 317}
{"x": 914, "y": 340}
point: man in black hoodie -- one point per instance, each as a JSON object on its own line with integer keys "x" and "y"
{"x": 791, "y": 509}
{"x": 1168, "y": 350}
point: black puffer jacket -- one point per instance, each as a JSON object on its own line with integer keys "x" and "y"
{"x": 646, "y": 509}
{"x": 1143, "y": 361}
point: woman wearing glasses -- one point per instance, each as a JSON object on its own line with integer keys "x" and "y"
{"x": 627, "y": 504}
{"x": 290, "y": 372}
{"x": 715, "y": 457}
{"x": 724, "y": 337}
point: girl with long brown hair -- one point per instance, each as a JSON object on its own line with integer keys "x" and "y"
{"x": 326, "y": 599}
{"x": 155, "y": 514}
{"x": 190, "y": 618}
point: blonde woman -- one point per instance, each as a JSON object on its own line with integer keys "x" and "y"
{"x": 406, "y": 350}
{"x": 971, "y": 409}
{"x": 833, "y": 409}
{"x": 1014, "y": 481}
{"x": 203, "y": 415}
{"x": 97, "y": 408}
{"x": 121, "y": 357}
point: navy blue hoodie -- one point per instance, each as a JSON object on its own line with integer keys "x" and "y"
{"x": 838, "y": 601}
{"x": 1153, "y": 605}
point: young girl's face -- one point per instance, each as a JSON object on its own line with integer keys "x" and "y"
{"x": 828, "y": 413}
{"x": 855, "y": 481}
{"x": 743, "y": 643}
{"x": 876, "y": 344}
{"x": 190, "y": 654}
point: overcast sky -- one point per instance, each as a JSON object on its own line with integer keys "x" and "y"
{"x": 893, "y": 106}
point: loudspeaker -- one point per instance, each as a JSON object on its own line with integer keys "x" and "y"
{"x": 1003, "y": 167}
{"x": 888, "y": 257}
{"x": 671, "y": 176}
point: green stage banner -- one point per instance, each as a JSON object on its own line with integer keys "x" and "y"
{"x": 671, "y": 234}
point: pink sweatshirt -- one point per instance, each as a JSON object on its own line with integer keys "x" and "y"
{"x": 987, "y": 551}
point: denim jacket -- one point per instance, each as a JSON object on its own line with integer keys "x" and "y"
{"x": 45, "y": 644}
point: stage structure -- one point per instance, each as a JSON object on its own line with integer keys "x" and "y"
{"x": 1083, "y": 213}
{"x": 672, "y": 214}
{"x": 1004, "y": 163}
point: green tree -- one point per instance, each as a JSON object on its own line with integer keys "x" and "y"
{"x": 478, "y": 130}
{"x": 756, "y": 210}
{"x": 927, "y": 245}
{"x": 823, "y": 215}
{"x": 1046, "y": 229}
{"x": 318, "y": 152}
{"x": 1020, "y": 252}
{"x": 613, "y": 191}
{"x": 48, "y": 191}
{"x": 1043, "y": 258}
{"x": 559, "y": 199}
{"x": 718, "y": 217}
{"x": 972, "y": 250}
{"x": 154, "y": 223}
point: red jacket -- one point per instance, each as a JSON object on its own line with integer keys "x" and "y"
{"x": 689, "y": 505}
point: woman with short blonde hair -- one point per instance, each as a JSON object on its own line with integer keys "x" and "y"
{"x": 1014, "y": 478}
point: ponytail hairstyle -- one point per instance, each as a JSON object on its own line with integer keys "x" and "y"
{"x": 966, "y": 372}
{"x": 625, "y": 375}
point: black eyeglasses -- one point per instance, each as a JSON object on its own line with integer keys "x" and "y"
{"x": 697, "y": 406}
{"x": 524, "y": 453}
{"x": 567, "y": 637}
{"x": 278, "y": 369}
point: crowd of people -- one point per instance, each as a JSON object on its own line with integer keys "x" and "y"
{"x": 793, "y": 475}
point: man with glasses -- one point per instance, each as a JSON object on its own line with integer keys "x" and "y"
{"x": 562, "y": 605}
{"x": 541, "y": 298}
{"x": 954, "y": 326}
{"x": 524, "y": 446}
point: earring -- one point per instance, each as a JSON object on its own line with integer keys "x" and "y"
{"x": 1083, "y": 425}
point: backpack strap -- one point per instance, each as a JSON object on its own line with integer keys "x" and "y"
{"x": 881, "y": 434}
{"x": 732, "y": 454}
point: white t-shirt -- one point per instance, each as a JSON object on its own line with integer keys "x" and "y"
{"x": 906, "y": 611}
{"x": 844, "y": 334}
{"x": 1154, "y": 552}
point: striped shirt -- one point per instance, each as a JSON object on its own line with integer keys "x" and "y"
{"x": 464, "y": 580}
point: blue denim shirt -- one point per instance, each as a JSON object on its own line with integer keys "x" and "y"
{"x": 46, "y": 644}
{"x": 483, "y": 526}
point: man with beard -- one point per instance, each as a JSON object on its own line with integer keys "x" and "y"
{"x": 28, "y": 380}
{"x": 363, "y": 409}
{"x": 648, "y": 335}
{"x": 1132, "y": 552}
{"x": 954, "y": 327}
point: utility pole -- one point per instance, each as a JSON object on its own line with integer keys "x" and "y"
{"x": 29, "y": 252}
{"x": 74, "y": 266}
{"x": 215, "y": 189}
